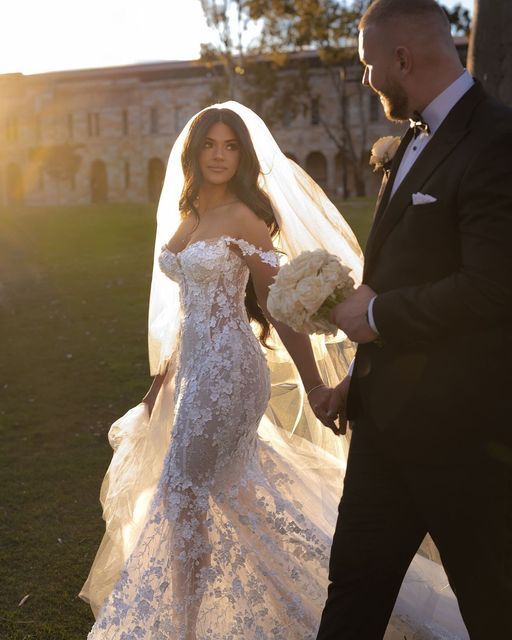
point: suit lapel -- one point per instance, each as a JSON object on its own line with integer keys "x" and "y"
{"x": 386, "y": 186}
{"x": 449, "y": 134}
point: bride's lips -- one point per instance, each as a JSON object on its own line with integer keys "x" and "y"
{"x": 217, "y": 169}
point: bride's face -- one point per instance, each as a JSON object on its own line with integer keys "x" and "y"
{"x": 220, "y": 154}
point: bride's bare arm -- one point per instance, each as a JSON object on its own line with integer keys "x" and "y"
{"x": 298, "y": 345}
{"x": 152, "y": 393}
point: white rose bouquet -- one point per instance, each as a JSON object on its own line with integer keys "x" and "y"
{"x": 306, "y": 289}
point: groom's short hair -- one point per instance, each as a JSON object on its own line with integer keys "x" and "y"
{"x": 381, "y": 11}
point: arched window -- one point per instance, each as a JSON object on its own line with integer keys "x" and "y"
{"x": 99, "y": 182}
{"x": 14, "y": 184}
{"x": 316, "y": 166}
{"x": 156, "y": 174}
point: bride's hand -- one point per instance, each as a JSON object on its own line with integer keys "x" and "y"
{"x": 319, "y": 399}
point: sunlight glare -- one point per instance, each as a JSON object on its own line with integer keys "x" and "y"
{"x": 58, "y": 34}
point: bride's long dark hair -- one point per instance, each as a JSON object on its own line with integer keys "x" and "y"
{"x": 244, "y": 185}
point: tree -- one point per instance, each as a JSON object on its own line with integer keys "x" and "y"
{"x": 460, "y": 20}
{"x": 238, "y": 72}
{"x": 229, "y": 50}
{"x": 272, "y": 76}
{"x": 273, "y": 73}
{"x": 490, "y": 47}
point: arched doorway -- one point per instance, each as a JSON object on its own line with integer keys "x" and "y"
{"x": 156, "y": 174}
{"x": 99, "y": 183}
{"x": 14, "y": 184}
{"x": 316, "y": 166}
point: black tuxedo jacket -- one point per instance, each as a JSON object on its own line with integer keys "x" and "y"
{"x": 443, "y": 275}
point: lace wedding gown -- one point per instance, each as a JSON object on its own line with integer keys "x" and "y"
{"x": 235, "y": 542}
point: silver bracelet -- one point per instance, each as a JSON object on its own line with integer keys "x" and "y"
{"x": 317, "y": 387}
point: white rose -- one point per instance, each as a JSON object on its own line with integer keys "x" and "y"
{"x": 384, "y": 150}
{"x": 311, "y": 293}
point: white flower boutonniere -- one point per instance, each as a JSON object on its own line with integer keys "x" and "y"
{"x": 383, "y": 152}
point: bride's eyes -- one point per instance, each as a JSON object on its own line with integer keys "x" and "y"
{"x": 231, "y": 146}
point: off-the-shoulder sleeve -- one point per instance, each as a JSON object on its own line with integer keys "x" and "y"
{"x": 248, "y": 249}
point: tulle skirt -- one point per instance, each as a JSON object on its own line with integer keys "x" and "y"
{"x": 255, "y": 563}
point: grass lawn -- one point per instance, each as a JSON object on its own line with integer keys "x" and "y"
{"x": 74, "y": 289}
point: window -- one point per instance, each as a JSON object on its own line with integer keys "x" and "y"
{"x": 154, "y": 120}
{"x": 93, "y": 124}
{"x": 315, "y": 111}
{"x": 126, "y": 174}
{"x": 374, "y": 108}
{"x": 287, "y": 117}
{"x": 125, "y": 122}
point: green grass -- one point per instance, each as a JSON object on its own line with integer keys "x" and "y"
{"x": 358, "y": 212}
{"x": 74, "y": 288}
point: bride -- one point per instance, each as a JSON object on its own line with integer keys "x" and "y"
{"x": 221, "y": 497}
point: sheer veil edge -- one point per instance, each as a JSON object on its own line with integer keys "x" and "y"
{"x": 307, "y": 220}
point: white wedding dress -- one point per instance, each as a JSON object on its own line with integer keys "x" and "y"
{"x": 236, "y": 538}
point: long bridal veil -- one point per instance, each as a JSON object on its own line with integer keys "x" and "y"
{"x": 307, "y": 220}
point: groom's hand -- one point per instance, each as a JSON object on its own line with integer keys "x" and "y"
{"x": 319, "y": 400}
{"x": 351, "y": 315}
{"x": 338, "y": 406}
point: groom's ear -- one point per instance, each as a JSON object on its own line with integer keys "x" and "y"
{"x": 403, "y": 59}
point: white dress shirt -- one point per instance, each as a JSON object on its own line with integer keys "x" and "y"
{"x": 433, "y": 114}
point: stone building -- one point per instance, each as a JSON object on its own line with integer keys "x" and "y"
{"x": 122, "y": 121}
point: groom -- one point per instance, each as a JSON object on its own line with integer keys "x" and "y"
{"x": 430, "y": 395}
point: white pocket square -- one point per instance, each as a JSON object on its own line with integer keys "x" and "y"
{"x": 422, "y": 198}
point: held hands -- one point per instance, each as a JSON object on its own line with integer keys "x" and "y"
{"x": 338, "y": 406}
{"x": 351, "y": 315}
{"x": 331, "y": 404}
{"x": 326, "y": 404}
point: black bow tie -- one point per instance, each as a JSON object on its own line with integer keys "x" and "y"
{"x": 418, "y": 124}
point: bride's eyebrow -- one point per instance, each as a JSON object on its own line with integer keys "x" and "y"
{"x": 207, "y": 139}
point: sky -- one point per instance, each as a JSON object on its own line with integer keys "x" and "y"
{"x": 51, "y": 35}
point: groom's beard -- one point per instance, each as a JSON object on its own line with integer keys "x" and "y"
{"x": 395, "y": 102}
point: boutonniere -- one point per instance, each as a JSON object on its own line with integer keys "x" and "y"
{"x": 383, "y": 152}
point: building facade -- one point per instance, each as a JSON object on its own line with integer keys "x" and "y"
{"x": 104, "y": 135}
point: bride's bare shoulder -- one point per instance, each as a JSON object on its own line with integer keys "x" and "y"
{"x": 251, "y": 228}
